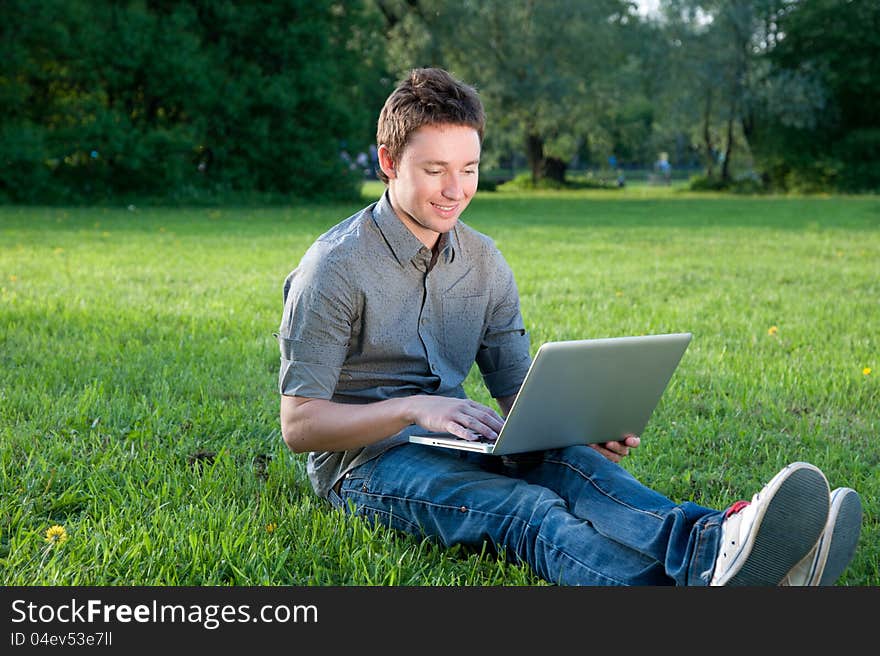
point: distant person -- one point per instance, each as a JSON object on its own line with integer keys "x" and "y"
{"x": 621, "y": 178}
{"x": 363, "y": 163}
{"x": 664, "y": 168}
{"x": 345, "y": 156}
{"x": 384, "y": 317}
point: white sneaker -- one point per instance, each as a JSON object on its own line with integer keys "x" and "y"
{"x": 763, "y": 539}
{"x": 836, "y": 546}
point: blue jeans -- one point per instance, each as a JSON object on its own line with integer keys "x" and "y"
{"x": 573, "y": 515}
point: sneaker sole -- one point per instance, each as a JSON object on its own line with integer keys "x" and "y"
{"x": 792, "y": 522}
{"x": 846, "y": 518}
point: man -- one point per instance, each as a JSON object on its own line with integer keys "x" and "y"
{"x": 384, "y": 317}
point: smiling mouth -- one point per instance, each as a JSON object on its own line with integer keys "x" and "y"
{"x": 444, "y": 208}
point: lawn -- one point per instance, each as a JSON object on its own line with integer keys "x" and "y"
{"x": 138, "y": 407}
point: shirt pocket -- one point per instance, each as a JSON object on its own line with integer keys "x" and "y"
{"x": 463, "y": 324}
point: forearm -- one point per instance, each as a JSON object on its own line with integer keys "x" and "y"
{"x": 322, "y": 425}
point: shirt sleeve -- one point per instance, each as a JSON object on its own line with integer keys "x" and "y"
{"x": 504, "y": 357}
{"x": 315, "y": 328}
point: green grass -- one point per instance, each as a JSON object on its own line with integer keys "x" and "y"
{"x": 138, "y": 407}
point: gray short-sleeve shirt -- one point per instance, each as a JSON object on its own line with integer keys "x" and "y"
{"x": 369, "y": 316}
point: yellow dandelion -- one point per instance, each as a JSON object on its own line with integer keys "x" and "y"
{"x": 772, "y": 331}
{"x": 271, "y": 526}
{"x": 618, "y": 294}
{"x": 13, "y": 278}
{"x": 56, "y": 534}
{"x": 866, "y": 371}
{"x": 58, "y": 250}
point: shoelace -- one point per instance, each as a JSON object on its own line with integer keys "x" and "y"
{"x": 735, "y": 508}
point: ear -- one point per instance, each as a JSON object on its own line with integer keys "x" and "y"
{"x": 386, "y": 163}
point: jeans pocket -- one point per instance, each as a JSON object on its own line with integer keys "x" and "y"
{"x": 361, "y": 498}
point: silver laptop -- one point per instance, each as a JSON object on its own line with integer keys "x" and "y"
{"x": 581, "y": 392}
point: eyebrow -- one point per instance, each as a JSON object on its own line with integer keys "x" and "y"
{"x": 437, "y": 162}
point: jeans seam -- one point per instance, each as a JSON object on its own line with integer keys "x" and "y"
{"x": 434, "y": 504}
{"x": 567, "y": 555}
{"x": 361, "y": 508}
{"x": 390, "y": 514}
{"x": 524, "y": 524}
{"x": 699, "y": 548}
{"x": 602, "y": 491}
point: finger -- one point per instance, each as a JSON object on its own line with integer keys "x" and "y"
{"x": 469, "y": 428}
{"x": 460, "y": 431}
{"x": 493, "y": 424}
{"x": 471, "y": 436}
{"x": 474, "y": 436}
{"x": 617, "y": 447}
{"x": 613, "y": 457}
{"x": 487, "y": 415}
{"x": 484, "y": 409}
{"x": 474, "y": 425}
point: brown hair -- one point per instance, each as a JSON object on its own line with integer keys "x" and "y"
{"x": 427, "y": 96}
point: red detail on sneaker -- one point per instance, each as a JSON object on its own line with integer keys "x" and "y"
{"x": 735, "y": 508}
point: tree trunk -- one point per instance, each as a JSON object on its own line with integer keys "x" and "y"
{"x": 535, "y": 156}
{"x": 707, "y": 135}
{"x": 554, "y": 169}
{"x": 728, "y": 151}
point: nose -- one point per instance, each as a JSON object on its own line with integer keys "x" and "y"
{"x": 452, "y": 188}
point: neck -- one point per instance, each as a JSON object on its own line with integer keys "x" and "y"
{"x": 428, "y": 237}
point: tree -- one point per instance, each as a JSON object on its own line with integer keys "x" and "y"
{"x": 818, "y": 125}
{"x": 716, "y": 50}
{"x": 543, "y": 68}
{"x": 791, "y": 83}
{"x": 166, "y": 98}
{"x": 289, "y": 86}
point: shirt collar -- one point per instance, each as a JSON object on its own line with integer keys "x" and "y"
{"x": 404, "y": 244}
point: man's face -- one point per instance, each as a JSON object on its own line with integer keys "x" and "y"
{"x": 434, "y": 179}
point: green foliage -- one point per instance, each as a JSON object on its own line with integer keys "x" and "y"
{"x": 524, "y": 182}
{"x": 629, "y": 125}
{"x": 22, "y": 153}
{"x": 211, "y": 100}
{"x": 859, "y": 153}
{"x": 183, "y": 100}
{"x": 543, "y": 68}
{"x": 830, "y": 49}
{"x": 748, "y": 183}
{"x": 706, "y": 183}
{"x": 487, "y": 184}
